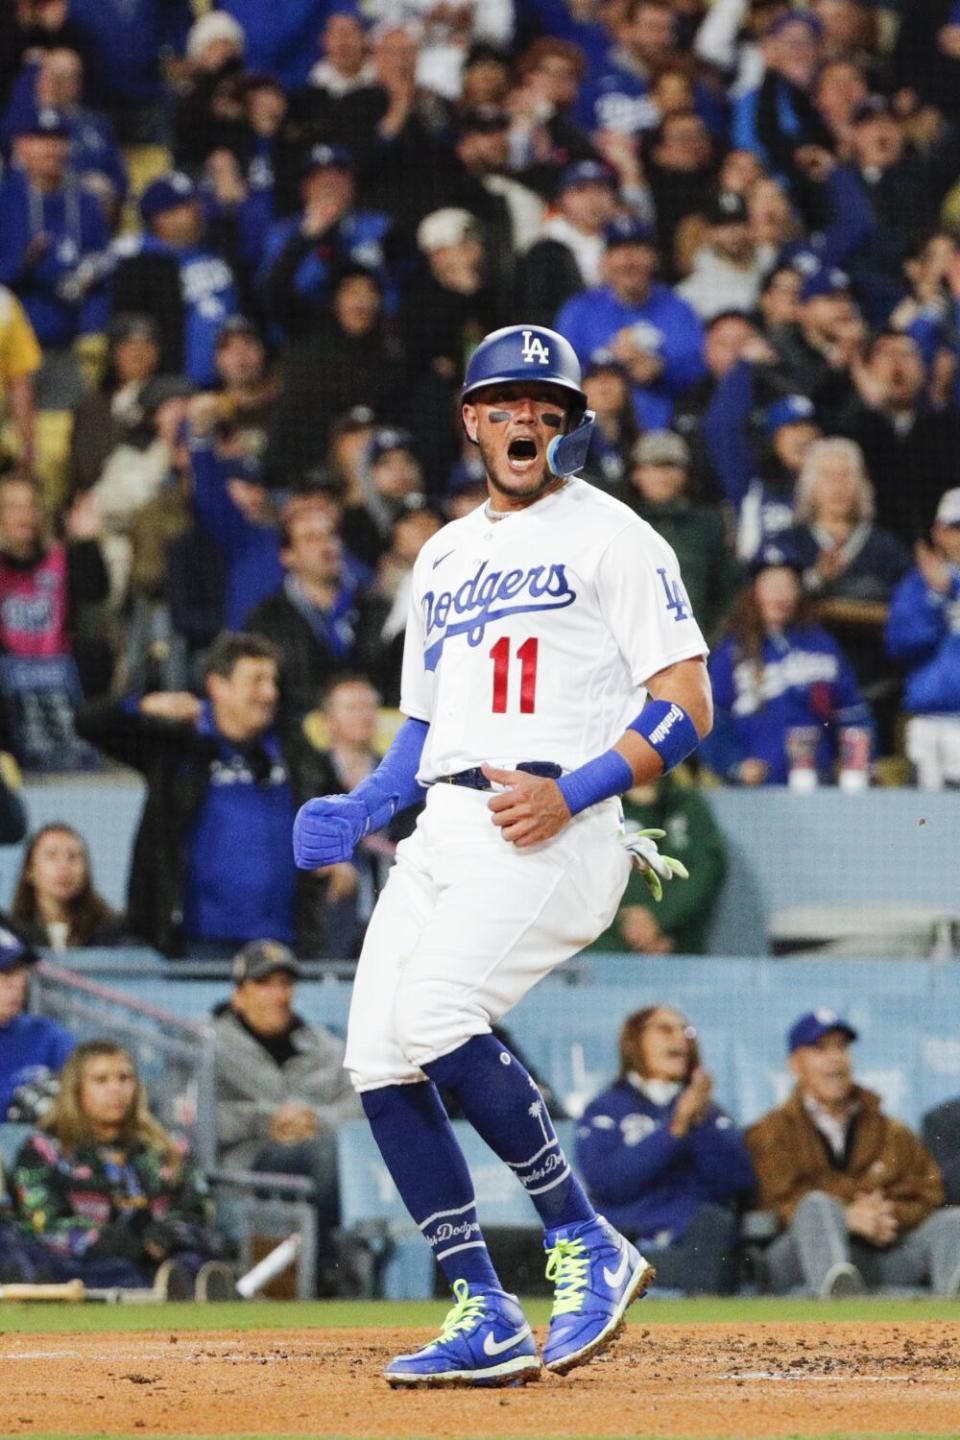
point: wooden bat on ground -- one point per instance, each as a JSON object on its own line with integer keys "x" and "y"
{"x": 72, "y": 1290}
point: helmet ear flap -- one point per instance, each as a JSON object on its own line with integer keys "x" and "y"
{"x": 566, "y": 454}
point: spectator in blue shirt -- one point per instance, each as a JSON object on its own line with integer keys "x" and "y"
{"x": 212, "y": 866}
{"x": 619, "y": 96}
{"x": 778, "y": 678}
{"x": 53, "y": 241}
{"x": 32, "y": 1047}
{"x": 664, "y": 1163}
{"x": 758, "y": 483}
{"x": 283, "y": 38}
{"x": 656, "y": 335}
{"x": 923, "y": 633}
{"x": 171, "y": 273}
{"x": 303, "y": 252}
{"x": 56, "y": 79}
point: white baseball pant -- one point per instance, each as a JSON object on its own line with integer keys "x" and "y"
{"x": 467, "y": 924}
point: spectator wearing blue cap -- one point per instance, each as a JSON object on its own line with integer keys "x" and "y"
{"x": 303, "y": 252}
{"x": 656, "y": 335}
{"x": 568, "y": 256}
{"x": 53, "y": 244}
{"x": 172, "y": 273}
{"x": 662, "y": 1159}
{"x": 776, "y": 676}
{"x": 55, "y": 78}
{"x": 390, "y": 476}
{"x": 32, "y": 1047}
{"x": 856, "y": 1192}
{"x": 818, "y": 354}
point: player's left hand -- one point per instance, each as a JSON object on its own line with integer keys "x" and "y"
{"x": 532, "y": 809}
{"x": 654, "y": 867}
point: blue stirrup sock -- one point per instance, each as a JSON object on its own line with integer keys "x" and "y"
{"x": 504, "y": 1106}
{"x": 419, "y": 1148}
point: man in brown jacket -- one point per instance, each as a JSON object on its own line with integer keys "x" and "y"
{"x": 856, "y": 1191}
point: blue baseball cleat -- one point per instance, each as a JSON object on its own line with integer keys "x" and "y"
{"x": 597, "y": 1275}
{"x": 485, "y": 1340}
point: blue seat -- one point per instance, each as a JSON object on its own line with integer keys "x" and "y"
{"x": 11, "y": 1138}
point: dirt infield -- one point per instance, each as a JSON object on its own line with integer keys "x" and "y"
{"x": 751, "y": 1380}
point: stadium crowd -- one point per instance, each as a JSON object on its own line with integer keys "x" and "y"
{"x": 244, "y": 252}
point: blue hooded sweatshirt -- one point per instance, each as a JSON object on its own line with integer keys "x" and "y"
{"x": 923, "y": 632}
{"x": 646, "y": 1180}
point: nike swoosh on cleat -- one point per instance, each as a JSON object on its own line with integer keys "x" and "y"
{"x": 616, "y": 1277}
{"x": 497, "y": 1347}
{"x": 441, "y": 560}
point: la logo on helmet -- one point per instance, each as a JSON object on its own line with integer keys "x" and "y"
{"x": 534, "y": 351}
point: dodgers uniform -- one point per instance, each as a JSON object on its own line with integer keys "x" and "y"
{"x": 529, "y": 638}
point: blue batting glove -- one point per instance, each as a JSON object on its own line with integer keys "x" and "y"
{"x": 327, "y": 830}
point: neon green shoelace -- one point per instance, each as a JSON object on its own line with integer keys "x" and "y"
{"x": 568, "y": 1266}
{"x": 465, "y": 1314}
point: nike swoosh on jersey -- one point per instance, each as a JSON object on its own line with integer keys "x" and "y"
{"x": 617, "y": 1277}
{"x": 497, "y": 1347}
{"x": 441, "y": 560}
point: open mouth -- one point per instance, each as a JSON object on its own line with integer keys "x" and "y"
{"x": 522, "y": 454}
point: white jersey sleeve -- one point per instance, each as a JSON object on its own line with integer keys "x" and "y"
{"x": 416, "y": 681}
{"x": 642, "y": 597}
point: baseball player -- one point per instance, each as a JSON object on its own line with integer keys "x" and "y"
{"x": 551, "y": 662}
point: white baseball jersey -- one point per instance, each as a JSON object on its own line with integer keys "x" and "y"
{"x": 532, "y": 637}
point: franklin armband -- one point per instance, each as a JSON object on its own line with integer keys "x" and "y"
{"x": 667, "y": 727}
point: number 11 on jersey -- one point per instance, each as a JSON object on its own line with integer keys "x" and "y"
{"x": 527, "y": 656}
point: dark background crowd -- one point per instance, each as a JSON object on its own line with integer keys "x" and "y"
{"x": 244, "y": 252}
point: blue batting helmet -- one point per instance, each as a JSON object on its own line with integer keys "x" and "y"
{"x": 532, "y": 352}
{"x": 524, "y": 352}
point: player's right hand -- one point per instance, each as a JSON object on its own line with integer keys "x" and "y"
{"x": 327, "y": 830}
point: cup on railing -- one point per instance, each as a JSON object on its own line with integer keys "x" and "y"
{"x": 802, "y": 742}
{"x": 854, "y": 758}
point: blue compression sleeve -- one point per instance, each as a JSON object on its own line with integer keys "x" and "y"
{"x": 393, "y": 785}
{"x": 667, "y": 727}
